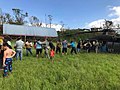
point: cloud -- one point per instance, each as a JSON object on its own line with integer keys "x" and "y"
{"x": 97, "y": 23}
{"x": 57, "y": 27}
{"x": 115, "y": 12}
{"x": 116, "y": 21}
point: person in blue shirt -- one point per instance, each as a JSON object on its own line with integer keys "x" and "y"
{"x": 38, "y": 48}
{"x": 73, "y": 47}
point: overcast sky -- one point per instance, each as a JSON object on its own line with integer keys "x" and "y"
{"x": 73, "y": 13}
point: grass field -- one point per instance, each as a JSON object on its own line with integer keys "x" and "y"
{"x": 71, "y": 72}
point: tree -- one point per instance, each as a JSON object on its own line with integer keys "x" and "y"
{"x": 62, "y": 24}
{"x": 19, "y": 16}
{"x": 8, "y": 18}
{"x": 2, "y": 19}
{"x": 34, "y": 21}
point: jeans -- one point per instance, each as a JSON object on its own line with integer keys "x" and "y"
{"x": 19, "y": 54}
{"x": 8, "y": 66}
{"x": 28, "y": 50}
{"x": 78, "y": 49}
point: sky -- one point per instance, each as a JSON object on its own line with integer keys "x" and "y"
{"x": 73, "y": 13}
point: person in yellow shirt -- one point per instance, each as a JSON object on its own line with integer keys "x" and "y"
{"x": 1, "y": 40}
{"x": 28, "y": 46}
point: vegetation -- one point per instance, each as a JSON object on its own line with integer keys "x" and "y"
{"x": 84, "y": 71}
{"x": 76, "y": 34}
{"x": 18, "y": 18}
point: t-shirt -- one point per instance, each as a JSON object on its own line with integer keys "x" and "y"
{"x": 52, "y": 53}
{"x": 19, "y": 45}
{"x": 46, "y": 44}
{"x": 28, "y": 45}
{"x": 64, "y": 44}
{"x": 59, "y": 44}
{"x": 73, "y": 44}
{"x": 1, "y": 41}
{"x": 38, "y": 45}
{"x": 51, "y": 45}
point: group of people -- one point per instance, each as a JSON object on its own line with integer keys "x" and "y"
{"x": 49, "y": 48}
{"x": 7, "y": 52}
{"x": 6, "y": 55}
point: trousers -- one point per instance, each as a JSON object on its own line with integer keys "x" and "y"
{"x": 8, "y": 67}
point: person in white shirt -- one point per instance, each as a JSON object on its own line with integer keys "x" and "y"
{"x": 19, "y": 48}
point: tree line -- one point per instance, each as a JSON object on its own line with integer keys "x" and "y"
{"x": 18, "y": 18}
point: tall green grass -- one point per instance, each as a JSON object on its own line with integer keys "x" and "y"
{"x": 84, "y": 71}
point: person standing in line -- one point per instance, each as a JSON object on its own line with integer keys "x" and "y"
{"x": 58, "y": 46}
{"x": 46, "y": 48}
{"x": 1, "y": 40}
{"x": 34, "y": 44}
{"x": 51, "y": 45}
{"x": 96, "y": 46}
{"x": 79, "y": 46}
{"x": 1, "y": 56}
{"x": 64, "y": 47}
{"x": 1, "y": 51}
{"x": 7, "y": 59}
{"x": 73, "y": 47}
{"x": 88, "y": 46}
{"x": 28, "y": 46}
{"x": 52, "y": 54}
{"x": 19, "y": 48}
{"x": 38, "y": 48}
{"x": 52, "y": 50}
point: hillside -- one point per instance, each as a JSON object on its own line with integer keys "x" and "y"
{"x": 77, "y": 34}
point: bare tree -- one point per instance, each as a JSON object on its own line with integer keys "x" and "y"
{"x": 62, "y": 24}
{"x": 19, "y": 16}
{"x": 8, "y": 18}
{"x": 34, "y": 21}
{"x": 108, "y": 24}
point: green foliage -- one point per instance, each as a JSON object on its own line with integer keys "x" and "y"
{"x": 76, "y": 35}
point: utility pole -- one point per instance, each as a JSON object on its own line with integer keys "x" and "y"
{"x": 45, "y": 21}
{"x": 50, "y": 19}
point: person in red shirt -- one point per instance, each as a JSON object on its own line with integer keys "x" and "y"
{"x": 52, "y": 53}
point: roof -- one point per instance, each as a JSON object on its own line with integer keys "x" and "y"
{"x": 28, "y": 31}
